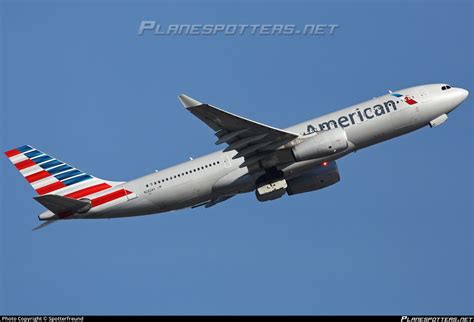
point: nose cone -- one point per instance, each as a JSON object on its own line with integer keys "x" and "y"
{"x": 459, "y": 95}
{"x": 464, "y": 94}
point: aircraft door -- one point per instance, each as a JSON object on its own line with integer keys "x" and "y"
{"x": 133, "y": 194}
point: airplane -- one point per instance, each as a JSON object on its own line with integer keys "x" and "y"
{"x": 257, "y": 157}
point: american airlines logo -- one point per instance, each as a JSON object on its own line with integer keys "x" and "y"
{"x": 409, "y": 100}
{"x": 358, "y": 116}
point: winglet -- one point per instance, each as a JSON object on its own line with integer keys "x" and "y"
{"x": 188, "y": 101}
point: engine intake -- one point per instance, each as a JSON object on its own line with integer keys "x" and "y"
{"x": 321, "y": 145}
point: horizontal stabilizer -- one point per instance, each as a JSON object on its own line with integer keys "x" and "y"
{"x": 62, "y": 206}
{"x": 46, "y": 223}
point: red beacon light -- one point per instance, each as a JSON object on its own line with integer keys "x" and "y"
{"x": 325, "y": 164}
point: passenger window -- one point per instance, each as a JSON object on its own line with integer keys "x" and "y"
{"x": 147, "y": 186}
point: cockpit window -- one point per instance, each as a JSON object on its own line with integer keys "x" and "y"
{"x": 445, "y": 87}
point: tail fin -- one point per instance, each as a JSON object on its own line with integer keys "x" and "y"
{"x": 48, "y": 175}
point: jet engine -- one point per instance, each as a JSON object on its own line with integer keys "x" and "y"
{"x": 323, "y": 144}
{"x": 318, "y": 178}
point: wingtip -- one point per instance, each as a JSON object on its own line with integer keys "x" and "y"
{"x": 188, "y": 101}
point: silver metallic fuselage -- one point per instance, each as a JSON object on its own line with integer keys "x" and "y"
{"x": 217, "y": 174}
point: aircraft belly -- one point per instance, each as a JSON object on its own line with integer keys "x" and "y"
{"x": 236, "y": 181}
{"x": 430, "y": 110}
{"x": 385, "y": 127}
{"x": 136, "y": 207}
{"x": 181, "y": 195}
{"x": 370, "y": 132}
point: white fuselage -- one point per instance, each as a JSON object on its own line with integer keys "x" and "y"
{"x": 217, "y": 174}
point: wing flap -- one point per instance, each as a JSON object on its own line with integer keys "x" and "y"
{"x": 228, "y": 136}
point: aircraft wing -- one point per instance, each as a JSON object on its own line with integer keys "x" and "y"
{"x": 213, "y": 202}
{"x": 251, "y": 140}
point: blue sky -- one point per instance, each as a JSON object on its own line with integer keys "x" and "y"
{"x": 393, "y": 237}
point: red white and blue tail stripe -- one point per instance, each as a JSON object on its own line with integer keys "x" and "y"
{"x": 48, "y": 175}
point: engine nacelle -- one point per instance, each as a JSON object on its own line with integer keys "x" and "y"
{"x": 321, "y": 145}
{"x": 314, "y": 179}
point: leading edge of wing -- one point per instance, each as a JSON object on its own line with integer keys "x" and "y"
{"x": 192, "y": 104}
